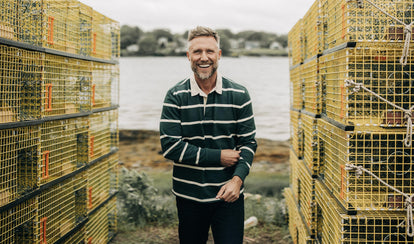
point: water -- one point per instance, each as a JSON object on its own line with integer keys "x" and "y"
{"x": 145, "y": 80}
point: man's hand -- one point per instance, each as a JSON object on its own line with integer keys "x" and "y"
{"x": 230, "y": 192}
{"x": 229, "y": 157}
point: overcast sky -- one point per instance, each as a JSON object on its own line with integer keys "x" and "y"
{"x": 277, "y": 16}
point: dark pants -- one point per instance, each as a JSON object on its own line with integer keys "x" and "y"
{"x": 226, "y": 221}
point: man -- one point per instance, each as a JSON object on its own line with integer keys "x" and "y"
{"x": 207, "y": 128}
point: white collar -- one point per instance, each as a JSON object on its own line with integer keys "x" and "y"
{"x": 195, "y": 89}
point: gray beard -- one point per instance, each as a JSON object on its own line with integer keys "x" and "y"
{"x": 204, "y": 76}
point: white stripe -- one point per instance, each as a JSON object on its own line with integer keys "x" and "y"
{"x": 245, "y": 119}
{"x": 197, "y": 199}
{"x": 217, "y": 137}
{"x": 200, "y": 184}
{"x": 170, "y": 121}
{"x": 170, "y": 105}
{"x": 183, "y": 152}
{"x": 182, "y": 91}
{"x": 198, "y": 168}
{"x": 169, "y": 149}
{"x": 247, "y": 148}
{"x": 184, "y": 81}
{"x": 247, "y": 134}
{"x": 165, "y": 136}
{"x": 208, "y": 105}
{"x": 217, "y": 121}
{"x": 232, "y": 89}
{"x": 209, "y": 137}
{"x": 248, "y": 165}
{"x": 247, "y": 103}
{"x": 198, "y": 156}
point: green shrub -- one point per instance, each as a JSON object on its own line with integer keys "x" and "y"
{"x": 139, "y": 202}
{"x": 269, "y": 210}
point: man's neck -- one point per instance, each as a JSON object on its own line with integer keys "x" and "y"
{"x": 208, "y": 84}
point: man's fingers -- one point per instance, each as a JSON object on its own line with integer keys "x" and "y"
{"x": 220, "y": 193}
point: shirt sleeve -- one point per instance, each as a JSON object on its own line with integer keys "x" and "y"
{"x": 246, "y": 132}
{"x": 173, "y": 146}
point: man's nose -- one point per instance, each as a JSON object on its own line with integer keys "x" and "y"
{"x": 204, "y": 56}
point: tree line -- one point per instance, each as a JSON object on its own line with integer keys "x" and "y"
{"x": 162, "y": 42}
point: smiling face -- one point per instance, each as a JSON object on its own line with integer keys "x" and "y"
{"x": 204, "y": 54}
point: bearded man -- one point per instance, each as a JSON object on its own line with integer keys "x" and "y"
{"x": 207, "y": 128}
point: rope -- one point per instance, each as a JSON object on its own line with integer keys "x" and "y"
{"x": 359, "y": 170}
{"x": 407, "y": 31}
{"x": 408, "y": 112}
{"x": 406, "y": 50}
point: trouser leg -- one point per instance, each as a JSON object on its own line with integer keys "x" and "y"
{"x": 228, "y": 222}
{"x": 194, "y": 221}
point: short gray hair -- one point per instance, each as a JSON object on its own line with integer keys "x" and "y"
{"x": 203, "y": 31}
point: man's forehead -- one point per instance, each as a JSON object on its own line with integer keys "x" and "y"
{"x": 203, "y": 40}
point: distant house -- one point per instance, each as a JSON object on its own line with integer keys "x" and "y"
{"x": 275, "y": 45}
{"x": 248, "y": 45}
{"x": 132, "y": 48}
{"x": 162, "y": 42}
{"x": 235, "y": 44}
{"x": 181, "y": 46}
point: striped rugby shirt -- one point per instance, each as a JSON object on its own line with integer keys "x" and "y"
{"x": 194, "y": 128}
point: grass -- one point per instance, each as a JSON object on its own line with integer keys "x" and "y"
{"x": 266, "y": 183}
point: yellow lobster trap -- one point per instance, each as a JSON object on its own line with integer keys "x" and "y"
{"x": 313, "y": 31}
{"x": 103, "y": 132}
{"x": 64, "y": 25}
{"x": 44, "y": 23}
{"x": 66, "y": 87}
{"x": 59, "y": 146}
{"x": 367, "y": 85}
{"x": 366, "y": 21}
{"x": 312, "y": 86}
{"x": 101, "y": 226}
{"x": 101, "y": 36}
{"x": 336, "y": 226}
{"x": 115, "y": 40}
{"x": 58, "y": 213}
{"x": 105, "y": 85}
{"x": 296, "y": 88}
{"x": 306, "y": 197}
{"x": 297, "y": 228}
{"x": 295, "y": 44}
{"x": 296, "y": 133}
{"x": 37, "y": 85}
{"x": 19, "y": 158}
{"x": 85, "y": 27}
{"x": 313, "y": 145}
{"x": 294, "y": 163}
{"x": 367, "y": 168}
{"x": 76, "y": 238}
{"x": 102, "y": 181}
{"x": 10, "y": 100}
{"x": 16, "y": 225}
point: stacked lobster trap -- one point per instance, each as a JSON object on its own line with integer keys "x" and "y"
{"x": 59, "y": 83}
{"x": 352, "y": 102}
